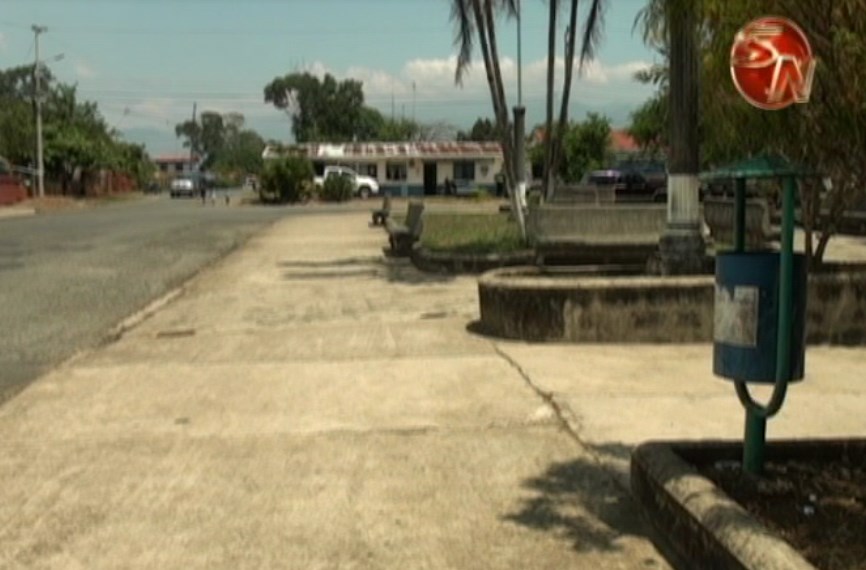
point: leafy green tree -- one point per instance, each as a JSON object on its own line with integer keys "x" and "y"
{"x": 649, "y": 124}
{"x": 78, "y": 141}
{"x": 399, "y": 130}
{"x": 320, "y": 110}
{"x": 828, "y": 133}
{"x": 226, "y": 146}
{"x": 585, "y": 147}
{"x": 482, "y": 130}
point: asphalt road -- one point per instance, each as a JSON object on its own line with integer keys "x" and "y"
{"x": 66, "y": 279}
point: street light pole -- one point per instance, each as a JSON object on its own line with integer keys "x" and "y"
{"x": 37, "y": 75}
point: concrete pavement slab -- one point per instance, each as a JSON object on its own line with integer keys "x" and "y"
{"x": 305, "y": 403}
{"x": 624, "y": 395}
{"x": 341, "y": 500}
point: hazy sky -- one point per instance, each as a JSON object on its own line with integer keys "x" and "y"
{"x": 145, "y": 62}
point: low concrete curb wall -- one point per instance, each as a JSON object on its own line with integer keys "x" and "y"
{"x": 527, "y": 304}
{"x": 703, "y": 525}
{"x": 596, "y": 224}
{"x": 462, "y": 263}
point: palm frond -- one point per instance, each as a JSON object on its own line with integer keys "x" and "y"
{"x": 592, "y": 31}
{"x": 463, "y": 36}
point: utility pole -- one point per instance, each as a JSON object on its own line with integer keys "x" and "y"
{"x": 37, "y": 75}
{"x": 520, "y": 128}
{"x": 192, "y": 143}
{"x": 519, "y": 61}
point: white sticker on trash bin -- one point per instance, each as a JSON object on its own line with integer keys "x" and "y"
{"x": 735, "y": 320}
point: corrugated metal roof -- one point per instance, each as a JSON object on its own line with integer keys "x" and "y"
{"x": 371, "y": 150}
{"x": 174, "y": 158}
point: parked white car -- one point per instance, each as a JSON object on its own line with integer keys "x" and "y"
{"x": 363, "y": 186}
{"x": 183, "y": 186}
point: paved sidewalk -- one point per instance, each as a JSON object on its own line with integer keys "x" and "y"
{"x": 305, "y": 404}
{"x": 16, "y": 211}
{"x": 308, "y": 404}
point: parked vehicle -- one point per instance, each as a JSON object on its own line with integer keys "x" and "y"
{"x": 629, "y": 185}
{"x": 363, "y": 186}
{"x": 184, "y": 186}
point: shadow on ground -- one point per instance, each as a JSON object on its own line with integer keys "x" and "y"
{"x": 581, "y": 502}
{"x": 389, "y": 269}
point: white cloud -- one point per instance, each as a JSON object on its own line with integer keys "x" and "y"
{"x": 83, "y": 69}
{"x": 436, "y": 97}
{"x": 434, "y": 81}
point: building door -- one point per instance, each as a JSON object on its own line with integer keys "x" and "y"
{"x": 429, "y": 178}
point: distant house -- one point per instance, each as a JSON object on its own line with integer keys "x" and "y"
{"x": 623, "y": 143}
{"x": 409, "y": 168}
{"x": 171, "y": 165}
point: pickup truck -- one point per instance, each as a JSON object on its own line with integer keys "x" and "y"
{"x": 363, "y": 186}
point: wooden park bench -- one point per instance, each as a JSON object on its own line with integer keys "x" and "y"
{"x": 402, "y": 237}
{"x": 381, "y": 215}
{"x": 719, "y": 216}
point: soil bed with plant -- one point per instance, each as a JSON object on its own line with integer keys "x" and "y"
{"x": 471, "y": 233}
{"x": 818, "y": 506}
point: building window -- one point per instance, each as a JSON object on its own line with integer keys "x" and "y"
{"x": 396, "y": 171}
{"x": 372, "y": 170}
{"x": 178, "y": 167}
{"x": 464, "y": 170}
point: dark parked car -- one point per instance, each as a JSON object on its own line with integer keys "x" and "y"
{"x": 629, "y": 185}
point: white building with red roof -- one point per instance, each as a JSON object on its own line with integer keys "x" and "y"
{"x": 408, "y": 168}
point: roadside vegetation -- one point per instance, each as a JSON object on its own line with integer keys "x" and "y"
{"x": 478, "y": 233}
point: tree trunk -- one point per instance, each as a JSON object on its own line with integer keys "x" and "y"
{"x": 486, "y": 27}
{"x": 562, "y": 124}
{"x": 682, "y": 247}
{"x": 549, "y": 176}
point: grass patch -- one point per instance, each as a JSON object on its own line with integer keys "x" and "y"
{"x": 470, "y": 233}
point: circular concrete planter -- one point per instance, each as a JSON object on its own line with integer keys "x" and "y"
{"x": 594, "y": 304}
{"x": 698, "y": 521}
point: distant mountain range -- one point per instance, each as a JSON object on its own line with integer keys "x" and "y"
{"x": 163, "y": 141}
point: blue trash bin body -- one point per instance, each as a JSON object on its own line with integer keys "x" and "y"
{"x": 746, "y": 317}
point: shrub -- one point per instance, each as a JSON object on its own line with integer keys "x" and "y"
{"x": 309, "y": 191}
{"x": 283, "y": 178}
{"x": 337, "y": 189}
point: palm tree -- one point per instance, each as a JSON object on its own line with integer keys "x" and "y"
{"x": 672, "y": 27}
{"x": 476, "y": 18}
{"x": 591, "y": 38}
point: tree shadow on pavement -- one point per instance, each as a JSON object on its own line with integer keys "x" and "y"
{"x": 581, "y": 501}
{"x": 389, "y": 269}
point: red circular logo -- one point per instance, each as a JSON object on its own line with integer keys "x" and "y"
{"x": 771, "y": 63}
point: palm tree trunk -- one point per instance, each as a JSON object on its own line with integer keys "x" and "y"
{"x": 682, "y": 246}
{"x": 566, "y": 88}
{"x": 485, "y": 26}
{"x": 550, "y": 176}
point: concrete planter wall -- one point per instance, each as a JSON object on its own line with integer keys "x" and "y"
{"x": 523, "y": 303}
{"x": 457, "y": 263}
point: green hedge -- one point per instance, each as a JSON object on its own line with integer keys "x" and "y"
{"x": 283, "y": 179}
{"x": 337, "y": 189}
